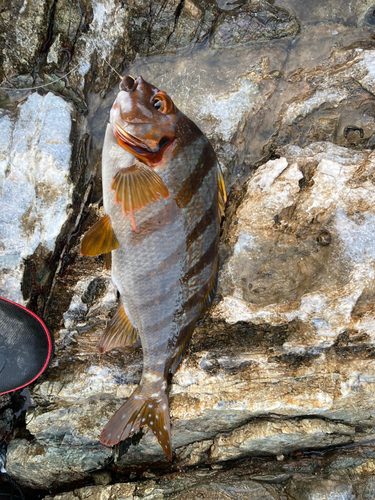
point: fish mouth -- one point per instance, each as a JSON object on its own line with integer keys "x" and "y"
{"x": 140, "y": 149}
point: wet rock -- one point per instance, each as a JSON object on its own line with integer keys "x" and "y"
{"x": 34, "y": 182}
{"x": 167, "y": 26}
{"x": 301, "y": 248}
{"x": 23, "y": 28}
{"x": 283, "y": 481}
{"x": 253, "y": 21}
{"x": 321, "y": 489}
{"x": 102, "y": 37}
{"x": 279, "y": 437}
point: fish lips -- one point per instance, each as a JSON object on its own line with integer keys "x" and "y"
{"x": 139, "y": 148}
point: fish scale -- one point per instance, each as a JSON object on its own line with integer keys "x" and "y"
{"x": 161, "y": 188}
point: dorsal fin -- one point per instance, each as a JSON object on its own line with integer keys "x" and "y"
{"x": 100, "y": 238}
{"x": 222, "y": 195}
{"x": 118, "y": 333}
{"x": 135, "y": 187}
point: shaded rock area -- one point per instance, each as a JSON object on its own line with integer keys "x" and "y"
{"x": 275, "y": 398}
{"x": 283, "y": 479}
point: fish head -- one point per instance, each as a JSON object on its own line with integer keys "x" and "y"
{"x": 143, "y": 118}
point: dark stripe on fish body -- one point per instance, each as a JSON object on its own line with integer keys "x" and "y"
{"x": 166, "y": 215}
{"x": 202, "y": 224}
{"x": 192, "y": 184}
{"x": 160, "y": 325}
{"x": 166, "y": 296}
{"x": 197, "y": 298}
{"x": 207, "y": 258}
{"x": 169, "y": 261}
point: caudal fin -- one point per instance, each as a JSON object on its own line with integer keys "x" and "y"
{"x": 144, "y": 407}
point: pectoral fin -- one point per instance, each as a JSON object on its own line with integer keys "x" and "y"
{"x": 99, "y": 239}
{"x": 135, "y": 187}
{"x": 119, "y": 332}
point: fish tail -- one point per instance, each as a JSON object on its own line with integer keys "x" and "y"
{"x": 148, "y": 405}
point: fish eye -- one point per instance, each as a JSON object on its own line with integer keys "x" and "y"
{"x": 158, "y": 104}
{"x": 163, "y": 103}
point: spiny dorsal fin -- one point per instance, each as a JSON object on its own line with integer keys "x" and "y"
{"x": 222, "y": 195}
{"x": 135, "y": 187}
{"x": 144, "y": 407}
{"x": 100, "y": 238}
{"x": 119, "y": 332}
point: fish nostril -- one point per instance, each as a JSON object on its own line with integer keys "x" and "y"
{"x": 127, "y": 83}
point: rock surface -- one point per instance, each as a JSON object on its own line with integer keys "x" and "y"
{"x": 35, "y": 186}
{"x": 275, "y": 398}
{"x": 284, "y": 480}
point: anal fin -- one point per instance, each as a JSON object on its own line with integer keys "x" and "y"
{"x": 135, "y": 187}
{"x": 118, "y": 333}
{"x": 100, "y": 238}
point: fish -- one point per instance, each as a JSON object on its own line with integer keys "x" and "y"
{"x": 164, "y": 197}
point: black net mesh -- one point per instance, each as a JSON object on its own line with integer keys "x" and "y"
{"x": 24, "y": 346}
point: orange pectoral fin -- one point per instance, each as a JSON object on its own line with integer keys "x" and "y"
{"x": 99, "y": 239}
{"x": 135, "y": 187}
{"x": 119, "y": 332}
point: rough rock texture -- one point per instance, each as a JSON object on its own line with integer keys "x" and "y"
{"x": 302, "y": 246}
{"x": 35, "y": 186}
{"x": 275, "y": 398}
{"x": 251, "y": 480}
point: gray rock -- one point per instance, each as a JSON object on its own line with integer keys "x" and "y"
{"x": 320, "y": 489}
{"x": 278, "y": 438}
{"x": 35, "y": 152}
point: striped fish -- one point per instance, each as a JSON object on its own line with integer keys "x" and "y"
{"x": 164, "y": 196}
